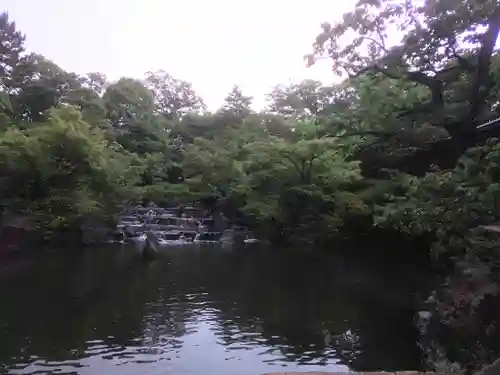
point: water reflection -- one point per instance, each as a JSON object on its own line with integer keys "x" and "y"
{"x": 205, "y": 310}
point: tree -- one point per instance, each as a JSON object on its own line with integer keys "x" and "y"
{"x": 127, "y": 101}
{"x": 209, "y": 169}
{"x": 87, "y": 97}
{"x": 236, "y": 104}
{"x": 145, "y": 136}
{"x": 173, "y": 98}
{"x": 62, "y": 170}
{"x": 97, "y": 82}
{"x": 38, "y": 84}
{"x": 306, "y": 99}
{"x": 11, "y": 48}
{"x": 90, "y": 104}
{"x": 441, "y": 41}
{"x": 300, "y": 189}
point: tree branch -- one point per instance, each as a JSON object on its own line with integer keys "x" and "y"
{"x": 482, "y": 81}
{"x": 296, "y": 165}
{"x": 377, "y": 133}
{"x": 380, "y": 44}
{"x": 465, "y": 64}
{"x": 308, "y": 170}
{"x": 434, "y": 84}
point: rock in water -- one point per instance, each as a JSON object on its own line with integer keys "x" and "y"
{"x": 150, "y": 249}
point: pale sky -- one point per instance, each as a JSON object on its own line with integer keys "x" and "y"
{"x": 213, "y": 43}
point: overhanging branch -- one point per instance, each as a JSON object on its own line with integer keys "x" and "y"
{"x": 482, "y": 79}
{"x": 434, "y": 84}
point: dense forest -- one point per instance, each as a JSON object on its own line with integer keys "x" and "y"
{"x": 399, "y": 144}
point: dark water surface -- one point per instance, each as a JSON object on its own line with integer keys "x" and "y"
{"x": 206, "y": 311}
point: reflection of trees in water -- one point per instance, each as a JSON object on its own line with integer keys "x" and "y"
{"x": 306, "y": 308}
{"x": 100, "y": 296}
{"x": 53, "y": 311}
{"x": 310, "y": 309}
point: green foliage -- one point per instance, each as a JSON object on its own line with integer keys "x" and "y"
{"x": 11, "y": 47}
{"x": 62, "y": 170}
{"x": 127, "y": 101}
{"x": 442, "y": 41}
{"x": 5, "y": 104}
{"x": 173, "y": 98}
{"x": 304, "y": 100}
{"x": 80, "y": 145}
{"x": 302, "y": 187}
{"x": 236, "y": 105}
{"x": 319, "y": 160}
{"x": 449, "y": 201}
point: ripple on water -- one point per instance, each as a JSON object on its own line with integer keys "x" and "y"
{"x": 41, "y": 366}
{"x": 209, "y": 312}
{"x": 104, "y": 351}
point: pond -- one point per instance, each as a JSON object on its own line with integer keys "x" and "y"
{"x": 207, "y": 310}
